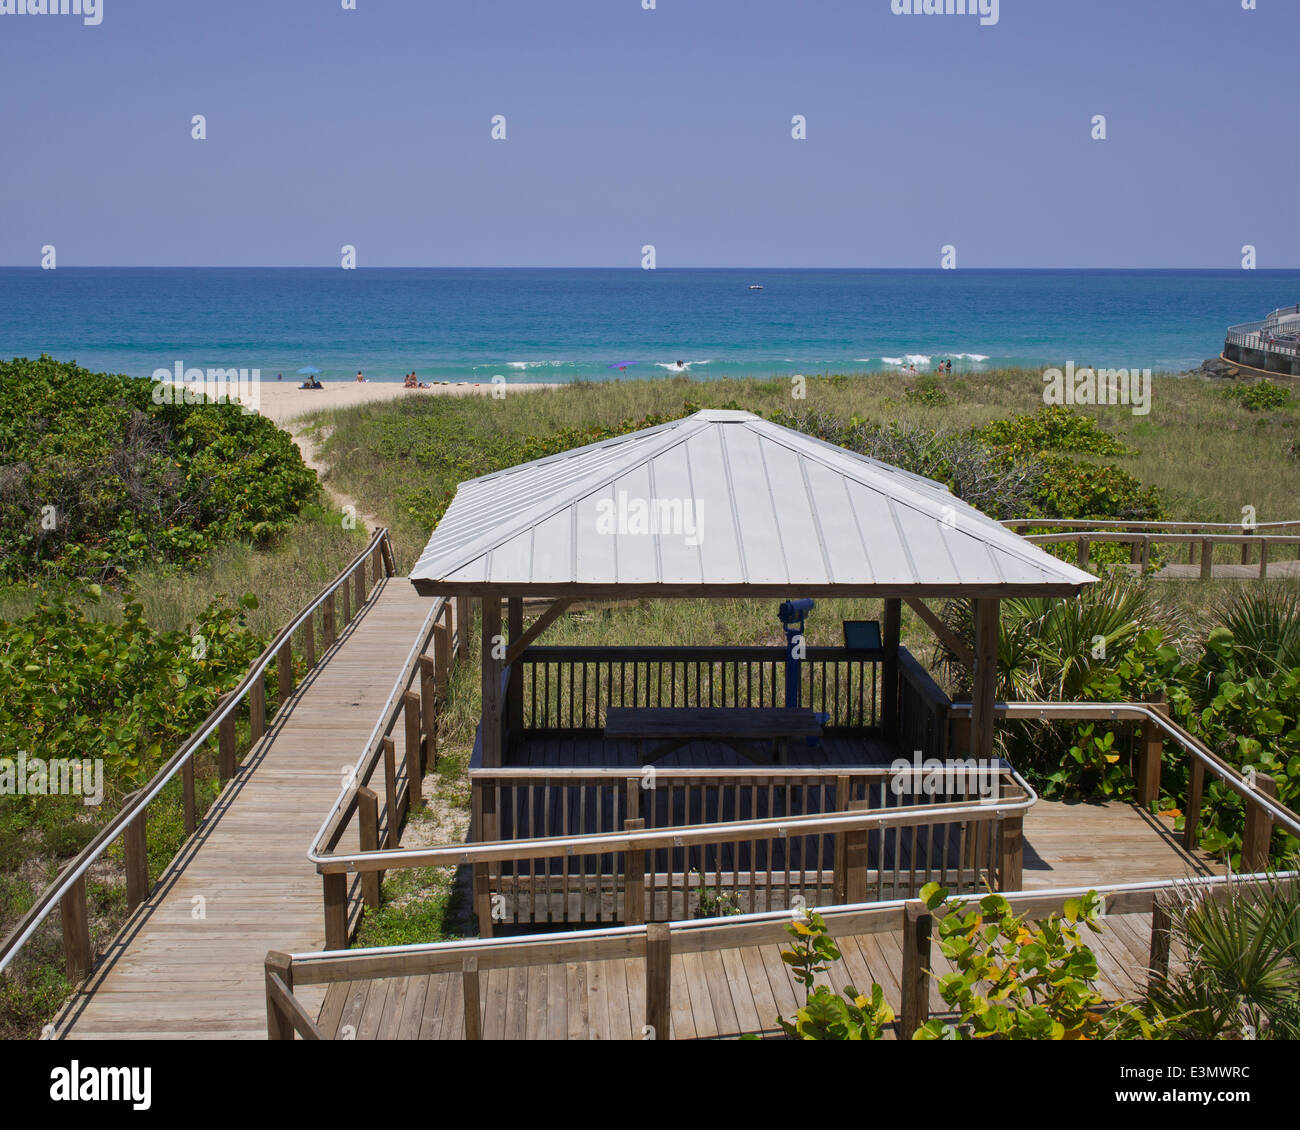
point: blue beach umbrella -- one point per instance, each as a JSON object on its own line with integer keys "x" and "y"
{"x": 308, "y": 371}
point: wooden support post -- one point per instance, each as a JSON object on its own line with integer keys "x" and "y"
{"x": 189, "y": 805}
{"x": 414, "y": 769}
{"x": 76, "y": 930}
{"x": 856, "y": 857}
{"x": 226, "y": 744}
{"x": 284, "y": 673}
{"x": 473, "y": 1013}
{"x": 441, "y": 660}
{"x": 390, "y": 566}
{"x": 135, "y": 844}
{"x": 1192, "y": 813}
{"x": 915, "y": 1005}
{"x": 257, "y": 708}
{"x": 278, "y": 1024}
{"x": 1011, "y": 852}
{"x": 1146, "y": 553}
{"x": 1159, "y": 960}
{"x": 1245, "y": 547}
{"x": 515, "y": 689}
{"x": 1191, "y": 553}
{"x": 377, "y": 564}
{"x": 336, "y": 910}
{"x": 309, "y": 641}
{"x": 347, "y": 604}
{"x": 493, "y": 652}
{"x": 429, "y": 709}
{"x": 632, "y": 800}
{"x": 984, "y": 684}
{"x": 891, "y": 631}
{"x": 483, "y": 900}
{"x": 327, "y": 622}
{"x": 633, "y": 880}
{"x": 1135, "y": 553}
{"x": 658, "y": 979}
{"x": 1150, "y": 756}
{"x": 359, "y": 582}
{"x": 464, "y": 623}
{"x": 1082, "y": 552}
{"x": 390, "y": 790}
{"x": 1257, "y": 837}
{"x": 1263, "y": 561}
{"x": 368, "y": 825}
{"x": 1207, "y": 560}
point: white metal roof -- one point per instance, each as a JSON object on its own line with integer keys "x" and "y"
{"x": 724, "y": 503}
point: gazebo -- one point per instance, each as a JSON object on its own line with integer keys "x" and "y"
{"x": 725, "y": 505}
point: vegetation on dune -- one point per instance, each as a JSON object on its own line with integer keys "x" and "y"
{"x": 96, "y": 479}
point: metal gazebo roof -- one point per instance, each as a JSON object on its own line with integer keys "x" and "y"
{"x": 725, "y": 503}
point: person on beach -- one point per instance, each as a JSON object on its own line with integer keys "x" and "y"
{"x": 360, "y": 378}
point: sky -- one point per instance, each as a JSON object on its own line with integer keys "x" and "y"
{"x": 668, "y": 126}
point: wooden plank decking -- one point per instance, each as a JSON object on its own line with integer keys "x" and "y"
{"x": 730, "y": 992}
{"x": 174, "y": 974}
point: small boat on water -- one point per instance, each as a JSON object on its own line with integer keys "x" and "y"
{"x": 755, "y": 288}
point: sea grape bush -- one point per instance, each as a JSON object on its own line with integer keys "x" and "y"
{"x": 1261, "y": 396}
{"x": 96, "y": 479}
{"x": 1052, "y": 428}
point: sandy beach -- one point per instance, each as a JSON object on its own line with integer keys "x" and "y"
{"x": 285, "y": 401}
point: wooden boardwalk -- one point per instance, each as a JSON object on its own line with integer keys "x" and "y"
{"x": 1226, "y": 572}
{"x": 730, "y": 992}
{"x": 189, "y": 962}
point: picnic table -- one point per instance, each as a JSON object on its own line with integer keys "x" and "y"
{"x": 760, "y": 734}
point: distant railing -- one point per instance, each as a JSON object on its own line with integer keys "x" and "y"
{"x": 568, "y": 689}
{"x": 1257, "y": 790}
{"x": 1199, "y": 537}
{"x": 655, "y": 945}
{"x": 68, "y": 892}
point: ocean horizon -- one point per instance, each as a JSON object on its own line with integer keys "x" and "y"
{"x": 581, "y": 324}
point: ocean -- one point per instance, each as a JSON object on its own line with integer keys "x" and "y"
{"x": 596, "y": 324}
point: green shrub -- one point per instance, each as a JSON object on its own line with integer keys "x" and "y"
{"x": 1052, "y": 428}
{"x": 1260, "y": 396}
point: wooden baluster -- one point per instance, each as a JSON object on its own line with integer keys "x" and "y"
{"x": 284, "y": 672}
{"x": 327, "y": 621}
{"x": 414, "y": 767}
{"x": 470, "y": 984}
{"x": 429, "y": 699}
{"x": 309, "y": 641}
{"x": 1158, "y": 963}
{"x": 335, "y": 886}
{"x": 1207, "y": 560}
{"x": 189, "y": 805}
{"x": 1192, "y": 813}
{"x": 390, "y": 790}
{"x": 347, "y": 603}
{"x": 1150, "y": 755}
{"x": 257, "y": 708}
{"x": 633, "y": 879}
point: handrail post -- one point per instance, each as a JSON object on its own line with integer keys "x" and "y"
{"x": 1158, "y": 963}
{"x": 839, "y": 864}
{"x": 464, "y": 621}
{"x": 914, "y": 1008}
{"x": 390, "y": 790}
{"x": 284, "y": 671}
{"x": 226, "y": 742}
{"x": 189, "y": 804}
{"x": 309, "y": 640}
{"x": 1263, "y": 560}
{"x": 327, "y": 621}
{"x": 470, "y": 984}
{"x": 368, "y": 829}
{"x": 1257, "y": 838}
{"x": 483, "y": 900}
{"x": 1192, "y": 813}
{"x": 76, "y": 930}
{"x": 414, "y": 767}
{"x": 359, "y": 581}
{"x": 278, "y": 1024}
{"x": 335, "y": 885}
{"x": 135, "y": 843}
{"x": 658, "y": 979}
{"x": 633, "y": 879}
{"x": 856, "y": 857}
{"x": 1150, "y": 754}
{"x": 1207, "y": 559}
{"x": 1011, "y": 851}
{"x": 429, "y": 709}
{"x": 1245, "y": 547}
{"x": 1082, "y": 544}
{"x": 257, "y": 708}
{"x": 346, "y": 593}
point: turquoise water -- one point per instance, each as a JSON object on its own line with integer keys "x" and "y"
{"x": 562, "y": 325}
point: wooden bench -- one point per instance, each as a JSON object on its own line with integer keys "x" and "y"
{"x": 751, "y": 732}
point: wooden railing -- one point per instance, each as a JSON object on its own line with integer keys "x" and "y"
{"x": 923, "y": 712}
{"x": 333, "y": 609}
{"x": 865, "y": 838}
{"x": 383, "y": 788}
{"x": 1201, "y": 538}
{"x": 568, "y": 689}
{"x": 1257, "y": 790}
{"x": 655, "y": 944}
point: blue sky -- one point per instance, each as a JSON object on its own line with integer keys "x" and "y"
{"x": 669, "y": 127}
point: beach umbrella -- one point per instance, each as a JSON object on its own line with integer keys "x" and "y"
{"x": 621, "y": 364}
{"x": 308, "y": 371}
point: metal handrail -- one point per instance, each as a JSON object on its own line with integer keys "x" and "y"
{"x": 1134, "y": 711}
{"x": 682, "y": 835}
{"x": 1158, "y": 527}
{"x": 75, "y": 868}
